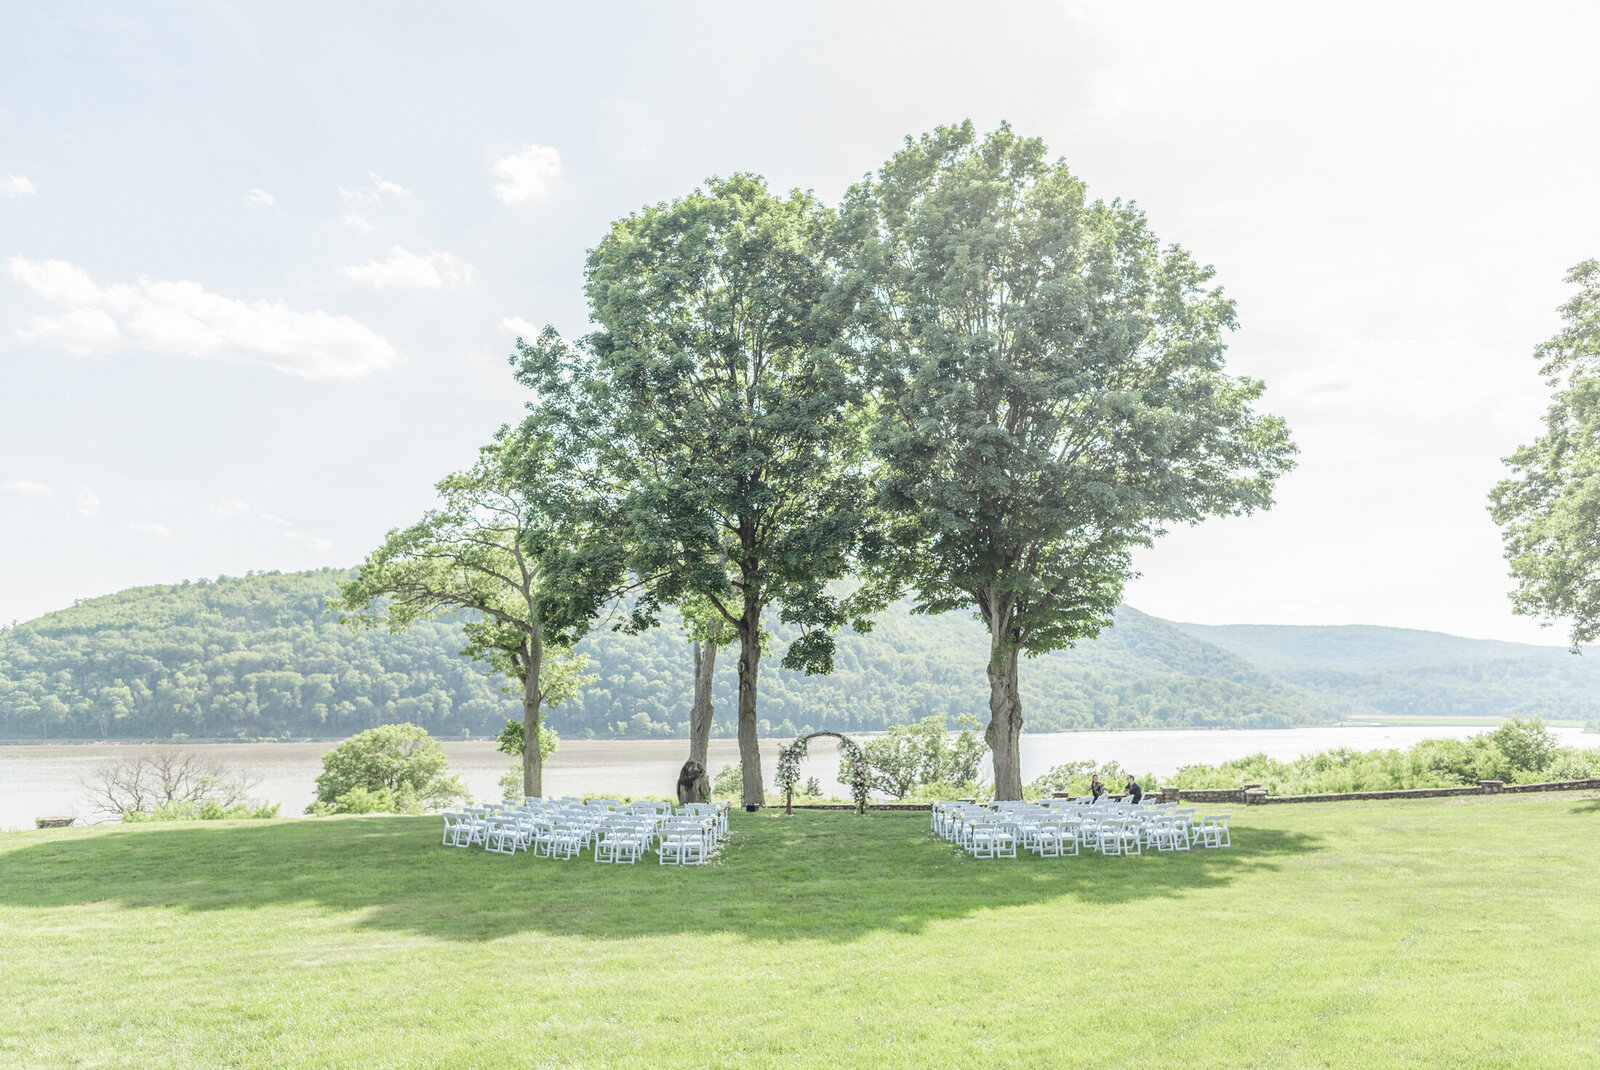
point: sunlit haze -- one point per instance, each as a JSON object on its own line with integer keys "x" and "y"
{"x": 261, "y": 265}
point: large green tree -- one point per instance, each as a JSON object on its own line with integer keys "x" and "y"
{"x": 1549, "y": 508}
{"x": 738, "y": 419}
{"x": 525, "y": 541}
{"x": 1052, "y": 395}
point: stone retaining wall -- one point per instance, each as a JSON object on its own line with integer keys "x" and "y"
{"x": 1254, "y": 794}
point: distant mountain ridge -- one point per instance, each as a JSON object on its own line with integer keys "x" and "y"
{"x": 259, "y": 656}
{"x": 1365, "y": 670}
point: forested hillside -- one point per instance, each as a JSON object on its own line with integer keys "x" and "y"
{"x": 260, "y": 656}
{"x": 1367, "y": 671}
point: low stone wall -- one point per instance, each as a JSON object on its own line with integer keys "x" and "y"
{"x": 1352, "y": 796}
{"x": 1555, "y": 785}
{"x": 851, "y": 806}
{"x": 1255, "y": 795}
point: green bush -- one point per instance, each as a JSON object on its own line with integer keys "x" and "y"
{"x": 1073, "y": 778}
{"x": 1517, "y": 752}
{"x": 363, "y": 801}
{"x": 400, "y": 759}
{"x": 205, "y": 810}
{"x": 510, "y": 742}
{"x": 729, "y": 782}
{"x": 907, "y": 757}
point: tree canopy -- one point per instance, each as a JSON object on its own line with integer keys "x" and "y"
{"x": 738, "y": 421}
{"x": 1052, "y": 395}
{"x": 522, "y": 539}
{"x": 1549, "y": 507}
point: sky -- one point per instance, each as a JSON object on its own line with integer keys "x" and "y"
{"x": 261, "y": 265}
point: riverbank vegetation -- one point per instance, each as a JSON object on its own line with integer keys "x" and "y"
{"x": 1520, "y": 751}
{"x": 1351, "y": 935}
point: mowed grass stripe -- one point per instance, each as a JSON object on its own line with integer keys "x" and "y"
{"x": 1424, "y": 933}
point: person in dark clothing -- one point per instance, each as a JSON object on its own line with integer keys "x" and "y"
{"x": 1096, "y": 788}
{"x": 693, "y": 784}
{"x": 1133, "y": 792}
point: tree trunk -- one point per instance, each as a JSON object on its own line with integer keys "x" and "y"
{"x": 532, "y": 759}
{"x": 1004, "y": 733}
{"x": 700, "y": 714}
{"x": 755, "y": 792}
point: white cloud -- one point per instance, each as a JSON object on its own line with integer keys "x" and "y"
{"x": 261, "y": 197}
{"x": 273, "y": 518}
{"x": 355, "y": 219}
{"x": 56, "y": 281}
{"x": 148, "y": 527}
{"x": 518, "y": 326}
{"x": 228, "y": 510}
{"x": 316, "y": 542}
{"x": 17, "y": 186}
{"x": 184, "y": 319}
{"x": 381, "y": 188}
{"x": 26, "y": 486}
{"x": 528, "y": 174}
{"x": 88, "y": 503}
{"x": 406, "y": 269}
{"x": 80, "y": 332}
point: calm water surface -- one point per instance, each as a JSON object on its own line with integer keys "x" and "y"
{"x": 38, "y": 780}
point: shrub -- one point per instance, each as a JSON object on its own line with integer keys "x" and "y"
{"x": 729, "y": 782}
{"x": 1073, "y": 778}
{"x": 1518, "y": 751}
{"x": 207, "y": 810}
{"x": 401, "y": 759}
{"x": 172, "y": 785}
{"x": 907, "y": 756}
{"x": 363, "y": 801}
{"x": 510, "y": 742}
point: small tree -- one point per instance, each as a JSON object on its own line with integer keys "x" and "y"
{"x": 1549, "y": 508}
{"x": 523, "y": 541}
{"x": 169, "y": 781}
{"x": 400, "y": 759}
{"x": 511, "y": 741}
{"x": 907, "y": 757}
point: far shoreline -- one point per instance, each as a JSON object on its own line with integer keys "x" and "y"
{"x": 1441, "y": 721}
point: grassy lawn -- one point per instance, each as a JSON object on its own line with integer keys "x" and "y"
{"x": 1456, "y": 932}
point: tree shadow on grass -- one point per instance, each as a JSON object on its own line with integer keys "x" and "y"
{"x": 1588, "y": 806}
{"x": 827, "y": 876}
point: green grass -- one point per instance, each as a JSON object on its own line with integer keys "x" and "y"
{"x": 1459, "y": 932}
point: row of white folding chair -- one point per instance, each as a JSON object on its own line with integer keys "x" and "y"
{"x": 1110, "y": 829}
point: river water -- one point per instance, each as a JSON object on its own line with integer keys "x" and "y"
{"x": 47, "y": 779}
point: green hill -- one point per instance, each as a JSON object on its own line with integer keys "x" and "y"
{"x": 1369, "y": 671}
{"x": 259, "y": 656}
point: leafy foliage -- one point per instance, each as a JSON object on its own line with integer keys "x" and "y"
{"x": 1549, "y": 508}
{"x": 1073, "y": 778}
{"x": 209, "y": 810}
{"x": 1519, "y": 751}
{"x": 911, "y": 756}
{"x": 259, "y": 656}
{"x": 525, "y": 540}
{"x": 852, "y": 768}
{"x": 1052, "y": 395}
{"x": 401, "y": 759}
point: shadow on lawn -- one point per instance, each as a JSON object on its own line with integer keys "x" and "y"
{"x": 812, "y": 876}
